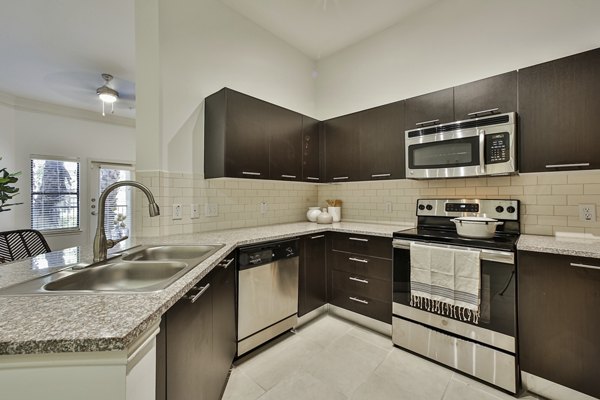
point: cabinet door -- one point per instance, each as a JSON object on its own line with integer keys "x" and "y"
{"x": 311, "y": 150}
{"x": 437, "y": 107}
{"x": 559, "y": 114}
{"x": 247, "y": 140}
{"x": 559, "y": 320}
{"x": 382, "y": 142}
{"x": 161, "y": 361}
{"x": 497, "y": 92}
{"x": 224, "y": 332}
{"x": 285, "y": 131}
{"x": 313, "y": 274}
{"x": 189, "y": 347}
{"x": 341, "y": 149}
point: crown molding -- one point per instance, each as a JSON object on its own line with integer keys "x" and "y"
{"x": 25, "y": 104}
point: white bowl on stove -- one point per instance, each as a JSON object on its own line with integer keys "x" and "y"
{"x": 476, "y": 227}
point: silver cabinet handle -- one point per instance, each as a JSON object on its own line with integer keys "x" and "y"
{"x": 360, "y": 260}
{"x": 433, "y": 121}
{"x": 200, "y": 293}
{"x": 317, "y": 237}
{"x": 358, "y": 280}
{"x": 380, "y": 175}
{"x": 312, "y": 178}
{"x": 226, "y": 263}
{"x": 339, "y": 178}
{"x": 251, "y": 173}
{"x": 476, "y": 113}
{"x": 585, "y": 164}
{"x": 584, "y": 266}
{"x": 358, "y": 239}
{"x": 289, "y": 176}
{"x": 482, "y": 150}
{"x": 356, "y": 299}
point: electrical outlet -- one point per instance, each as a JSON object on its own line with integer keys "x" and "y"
{"x": 264, "y": 207}
{"x": 587, "y": 212}
{"x": 177, "y": 211}
{"x": 388, "y": 207}
{"x": 194, "y": 213}
{"x": 211, "y": 210}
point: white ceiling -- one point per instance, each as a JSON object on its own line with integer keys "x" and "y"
{"x": 319, "y": 28}
{"x": 55, "y": 50}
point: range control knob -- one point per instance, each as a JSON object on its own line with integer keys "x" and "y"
{"x": 421, "y": 207}
{"x": 499, "y": 209}
{"x": 429, "y": 207}
{"x": 510, "y": 209}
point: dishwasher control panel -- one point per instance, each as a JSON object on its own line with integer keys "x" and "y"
{"x": 267, "y": 253}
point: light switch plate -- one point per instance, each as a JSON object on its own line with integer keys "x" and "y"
{"x": 177, "y": 211}
{"x": 211, "y": 210}
{"x": 195, "y": 213}
{"x": 587, "y": 212}
{"x": 264, "y": 207}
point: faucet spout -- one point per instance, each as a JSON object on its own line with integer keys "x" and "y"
{"x": 101, "y": 244}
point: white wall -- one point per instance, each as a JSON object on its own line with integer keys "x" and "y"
{"x": 450, "y": 43}
{"x": 56, "y": 135}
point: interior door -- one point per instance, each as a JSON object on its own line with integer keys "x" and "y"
{"x": 118, "y": 216}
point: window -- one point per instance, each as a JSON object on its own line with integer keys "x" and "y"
{"x": 54, "y": 194}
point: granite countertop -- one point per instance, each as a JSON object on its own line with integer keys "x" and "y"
{"x": 568, "y": 246}
{"x": 33, "y": 324}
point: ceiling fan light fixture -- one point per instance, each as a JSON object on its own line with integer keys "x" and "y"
{"x": 106, "y": 94}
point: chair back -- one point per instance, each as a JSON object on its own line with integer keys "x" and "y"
{"x": 23, "y": 243}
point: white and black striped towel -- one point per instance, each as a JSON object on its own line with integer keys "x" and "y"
{"x": 445, "y": 281}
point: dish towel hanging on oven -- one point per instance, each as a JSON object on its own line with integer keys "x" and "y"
{"x": 445, "y": 281}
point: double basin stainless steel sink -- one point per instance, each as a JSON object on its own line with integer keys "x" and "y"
{"x": 143, "y": 269}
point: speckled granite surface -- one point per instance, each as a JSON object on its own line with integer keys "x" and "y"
{"x": 105, "y": 322}
{"x": 566, "y": 246}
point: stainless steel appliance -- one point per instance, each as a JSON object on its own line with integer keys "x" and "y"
{"x": 485, "y": 349}
{"x": 476, "y": 147}
{"x": 267, "y": 292}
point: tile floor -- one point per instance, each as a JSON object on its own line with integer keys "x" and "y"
{"x": 333, "y": 359}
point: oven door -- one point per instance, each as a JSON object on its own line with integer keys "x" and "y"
{"x": 497, "y": 322}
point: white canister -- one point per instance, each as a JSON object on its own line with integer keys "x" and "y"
{"x": 324, "y": 217}
{"x": 336, "y": 213}
{"x": 313, "y": 213}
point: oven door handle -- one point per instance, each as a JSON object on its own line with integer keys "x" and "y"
{"x": 504, "y": 257}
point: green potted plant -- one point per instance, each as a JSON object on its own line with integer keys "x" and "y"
{"x": 7, "y": 190}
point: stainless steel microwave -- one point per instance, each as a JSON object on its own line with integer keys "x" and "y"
{"x": 475, "y": 147}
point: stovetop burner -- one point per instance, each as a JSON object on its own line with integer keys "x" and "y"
{"x": 503, "y": 242}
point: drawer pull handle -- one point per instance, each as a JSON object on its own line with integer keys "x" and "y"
{"x": 380, "y": 175}
{"x": 358, "y": 280}
{"x": 317, "y": 237}
{"x": 339, "y": 178}
{"x": 431, "y": 122}
{"x": 360, "y": 260}
{"x": 585, "y": 164}
{"x": 251, "y": 173}
{"x": 312, "y": 178}
{"x": 200, "y": 293}
{"x": 226, "y": 263}
{"x": 288, "y": 176}
{"x": 358, "y": 239}
{"x": 356, "y": 299}
{"x": 477, "y": 113}
{"x": 584, "y": 266}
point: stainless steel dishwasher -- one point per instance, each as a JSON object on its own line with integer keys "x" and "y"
{"x": 267, "y": 292}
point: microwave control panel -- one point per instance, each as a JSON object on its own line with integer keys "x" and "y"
{"x": 497, "y": 148}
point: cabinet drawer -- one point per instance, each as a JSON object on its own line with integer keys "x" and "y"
{"x": 376, "y": 309}
{"x": 362, "y": 286}
{"x": 362, "y": 265}
{"x": 361, "y": 244}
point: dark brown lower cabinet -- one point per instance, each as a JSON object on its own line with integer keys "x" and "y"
{"x": 559, "y": 322}
{"x": 196, "y": 344}
{"x": 312, "y": 291}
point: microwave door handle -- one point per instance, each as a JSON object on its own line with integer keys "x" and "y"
{"x": 482, "y": 151}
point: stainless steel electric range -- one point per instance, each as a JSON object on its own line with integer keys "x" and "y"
{"x": 485, "y": 346}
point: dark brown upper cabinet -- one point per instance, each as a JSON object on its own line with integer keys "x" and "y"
{"x": 497, "y": 93}
{"x": 312, "y": 157}
{"x": 382, "y": 142}
{"x": 284, "y": 128}
{"x": 559, "y": 114}
{"x": 429, "y": 109}
{"x": 245, "y": 137}
{"x": 342, "y": 149}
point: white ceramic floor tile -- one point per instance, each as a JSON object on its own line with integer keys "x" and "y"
{"x": 483, "y": 387}
{"x": 302, "y": 386}
{"x": 378, "y": 339}
{"x": 458, "y": 390}
{"x": 241, "y": 387}
{"x": 346, "y": 363}
{"x": 325, "y": 330}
